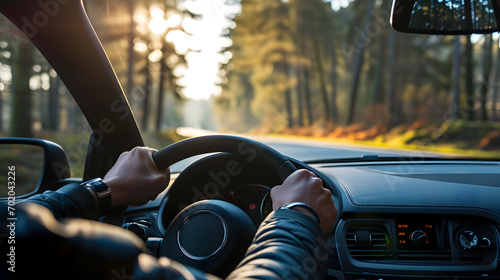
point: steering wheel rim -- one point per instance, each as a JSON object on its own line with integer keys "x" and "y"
{"x": 248, "y": 148}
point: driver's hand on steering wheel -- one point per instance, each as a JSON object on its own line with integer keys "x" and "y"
{"x": 134, "y": 179}
{"x": 304, "y": 186}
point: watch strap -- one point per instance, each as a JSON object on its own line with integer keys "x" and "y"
{"x": 305, "y": 205}
{"x": 102, "y": 192}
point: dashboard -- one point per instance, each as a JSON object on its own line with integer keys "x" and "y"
{"x": 437, "y": 219}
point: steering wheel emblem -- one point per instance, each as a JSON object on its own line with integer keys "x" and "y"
{"x": 202, "y": 234}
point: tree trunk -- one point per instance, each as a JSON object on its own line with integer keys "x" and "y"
{"x": 307, "y": 88}
{"x": 378, "y": 71}
{"x": 496, "y": 87}
{"x": 21, "y": 123}
{"x": 391, "y": 92}
{"x": 288, "y": 94}
{"x": 321, "y": 75}
{"x": 455, "y": 106}
{"x": 300, "y": 94}
{"x": 358, "y": 63}
{"x": 469, "y": 80}
{"x": 53, "y": 118}
{"x": 131, "y": 35}
{"x": 333, "y": 81}
{"x": 145, "y": 101}
{"x": 302, "y": 83}
{"x": 1, "y": 98}
{"x": 164, "y": 71}
{"x": 487, "y": 47}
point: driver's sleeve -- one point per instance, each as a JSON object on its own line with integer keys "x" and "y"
{"x": 70, "y": 201}
{"x": 288, "y": 245}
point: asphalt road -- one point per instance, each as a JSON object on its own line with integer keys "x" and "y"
{"x": 307, "y": 149}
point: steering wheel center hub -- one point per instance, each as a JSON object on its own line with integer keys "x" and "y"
{"x": 202, "y": 234}
{"x": 211, "y": 235}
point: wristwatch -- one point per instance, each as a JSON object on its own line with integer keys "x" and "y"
{"x": 102, "y": 192}
{"x": 305, "y": 205}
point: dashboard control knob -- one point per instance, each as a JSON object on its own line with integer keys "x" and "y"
{"x": 484, "y": 242}
{"x": 140, "y": 230}
{"x": 468, "y": 240}
{"x": 418, "y": 237}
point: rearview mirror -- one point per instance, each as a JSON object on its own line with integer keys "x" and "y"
{"x": 30, "y": 166}
{"x": 445, "y": 17}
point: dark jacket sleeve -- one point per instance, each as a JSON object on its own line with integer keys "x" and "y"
{"x": 69, "y": 201}
{"x": 288, "y": 245}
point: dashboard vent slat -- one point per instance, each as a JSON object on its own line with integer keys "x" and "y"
{"x": 369, "y": 242}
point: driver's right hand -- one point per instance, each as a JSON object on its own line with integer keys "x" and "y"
{"x": 304, "y": 186}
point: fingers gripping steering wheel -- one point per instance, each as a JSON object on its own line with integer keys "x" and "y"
{"x": 213, "y": 235}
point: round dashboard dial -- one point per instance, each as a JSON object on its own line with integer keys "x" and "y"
{"x": 267, "y": 206}
{"x": 250, "y": 198}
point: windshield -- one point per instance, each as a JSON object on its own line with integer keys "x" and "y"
{"x": 333, "y": 71}
{"x": 300, "y": 76}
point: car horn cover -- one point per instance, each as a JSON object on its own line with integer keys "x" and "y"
{"x": 210, "y": 235}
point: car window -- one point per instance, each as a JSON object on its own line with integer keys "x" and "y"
{"x": 35, "y": 103}
{"x": 330, "y": 70}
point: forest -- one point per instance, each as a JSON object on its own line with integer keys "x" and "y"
{"x": 330, "y": 69}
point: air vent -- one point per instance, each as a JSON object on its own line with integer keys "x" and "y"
{"x": 369, "y": 242}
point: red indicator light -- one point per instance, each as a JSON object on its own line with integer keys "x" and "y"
{"x": 252, "y": 206}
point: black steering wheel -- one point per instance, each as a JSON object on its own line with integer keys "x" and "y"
{"x": 213, "y": 235}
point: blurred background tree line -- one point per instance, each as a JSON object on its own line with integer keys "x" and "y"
{"x": 316, "y": 68}
{"x": 303, "y": 67}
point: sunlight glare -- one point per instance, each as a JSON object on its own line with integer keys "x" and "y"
{"x": 339, "y": 4}
{"x": 5, "y": 73}
{"x": 173, "y": 20}
{"x": 158, "y": 25}
{"x": 180, "y": 40}
{"x": 45, "y": 78}
{"x": 180, "y": 70}
{"x": 190, "y": 25}
{"x": 156, "y": 12}
{"x": 155, "y": 56}
{"x": 35, "y": 82}
{"x": 140, "y": 47}
{"x": 206, "y": 44}
{"x": 141, "y": 16}
{"x": 226, "y": 57}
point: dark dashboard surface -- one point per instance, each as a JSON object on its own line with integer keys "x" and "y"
{"x": 464, "y": 184}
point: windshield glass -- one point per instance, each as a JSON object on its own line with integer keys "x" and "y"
{"x": 326, "y": 70}
{"x": 297, "y": 75}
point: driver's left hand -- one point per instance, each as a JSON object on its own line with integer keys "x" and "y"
{"x": 134, "y": 179}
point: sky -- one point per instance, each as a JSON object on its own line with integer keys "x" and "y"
{"x": 202, "y": 74}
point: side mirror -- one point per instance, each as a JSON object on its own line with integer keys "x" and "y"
{"x": 31, "y": 166}
{"x": 446, "y": 17}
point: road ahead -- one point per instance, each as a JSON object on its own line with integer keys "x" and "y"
{"x": 308, "y": 149}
